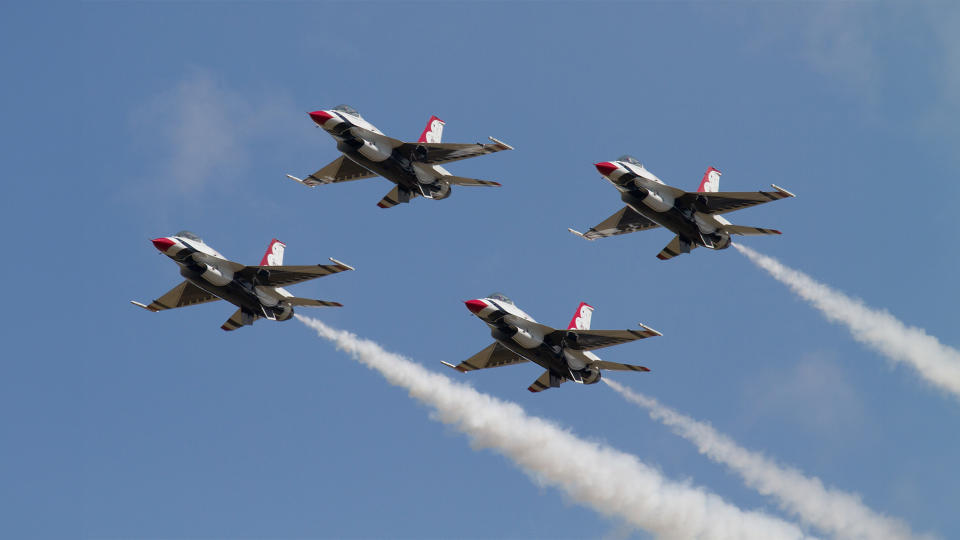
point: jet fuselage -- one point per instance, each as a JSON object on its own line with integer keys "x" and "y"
{"x": 646, "y": 194}
{"x": 523, "y": 336}
{"x": 365, "y": 145}
{"x": 204, "y": 267}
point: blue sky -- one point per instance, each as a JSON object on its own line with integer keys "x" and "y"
{"x": 128, "y": 121}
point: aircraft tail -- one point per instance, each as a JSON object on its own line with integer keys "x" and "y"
{"x": 433, "y": 132}
{"x": 274, "y": 254}
{"x": 581, "y": 319}
{"x": 710, "y": 182}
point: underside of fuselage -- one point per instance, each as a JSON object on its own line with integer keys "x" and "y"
{"x": 397, "y": 168}
{"x": 239, "y": 293}
{"x": 680, "y": 221}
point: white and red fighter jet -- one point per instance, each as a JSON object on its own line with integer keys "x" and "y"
{"x": 413, "y": 166}
{"x": 256, "y": 290}
{"x": 565, "y": 354}
{"x": 693, "y": 217}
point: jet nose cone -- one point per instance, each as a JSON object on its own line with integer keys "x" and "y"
{"x": 163, "y": 244}
{"x": 475, "y": 306}
{"x": 605, "y": 167}
{"x": 320, "y": 117}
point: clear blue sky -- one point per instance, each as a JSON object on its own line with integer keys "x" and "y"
{"x": 128, "y": 121}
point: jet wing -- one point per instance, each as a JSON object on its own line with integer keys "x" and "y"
{"x": 627, "y": 220}
{"x": 342, "y": 169}
{"x": 588, "y": 340}
{"x": 447, "y": 152}
{"x": 184, "y": 294}
{"x": 495, "y": 355}
{"x": 722, "y": 202}
{"x": 279, "y": 276}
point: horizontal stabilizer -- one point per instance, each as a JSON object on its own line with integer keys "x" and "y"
{"x": 296, "y": 301}
{"x": 614, "y": 366}
{"x": 396, "y": 196}
{"x": 545, "y": 382}
{"x": 748, "y": 231}
{"x": 461, "y": 181}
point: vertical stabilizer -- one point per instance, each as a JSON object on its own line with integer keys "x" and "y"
{"x": 710, "y": 182}
{"x": 274, "y": 254}
{"x": 581, "y": 319}
{"x": 433, "y": 132}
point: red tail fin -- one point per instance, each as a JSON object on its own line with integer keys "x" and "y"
{"x": 581, "y": 319}
{"x": 710, "y": 182}
{"x": 274, "y": 254}
{"x": 433, "y": 132}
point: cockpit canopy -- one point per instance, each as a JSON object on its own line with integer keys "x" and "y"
{"x": 500, "y": 297}
{"x": 347, "y": 109}
{"x": 189, "y": 236}
{"x": 626, "y": 158}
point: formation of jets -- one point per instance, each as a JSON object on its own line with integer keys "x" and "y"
{"x": 415, "y": 169}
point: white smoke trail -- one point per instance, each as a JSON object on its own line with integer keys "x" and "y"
{"x": 939, "y": 364}
{"x": 609, "y": 481}
{"x": 833, "y": 511}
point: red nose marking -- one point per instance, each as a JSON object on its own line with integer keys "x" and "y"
{"x": 605, "y": 167}
{"x": 475, "y": 306}
{"x": 320, "y": 117}
{"x": 163, "y": 244}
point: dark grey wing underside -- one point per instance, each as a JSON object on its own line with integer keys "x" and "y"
{"x": 727, "y": 201}
{"x": 588, "y": 340}
{"x": 279, "y": 276}
{"x": 627, "y": 220}
{"x": 495, "y": 355}
{"x": 342, "y": 169}
{"x": 184, "y": 294}
{"x": 434, "y": 153}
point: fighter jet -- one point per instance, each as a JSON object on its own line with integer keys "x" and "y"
{"x": 565, "y": 354}
{"x": 413, "y": 166}
{"x": 256, "y": 290}
{"x": 693, "y": 217}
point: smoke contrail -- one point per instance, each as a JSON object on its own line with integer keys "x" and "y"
{"x": 612, "y": 482}
{"x": 879, "y": 330}
{"x": 833, "y": 511}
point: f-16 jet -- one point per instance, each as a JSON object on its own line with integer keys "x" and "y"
{"x": 413, "y": 166}
{"x": 564, "y": 354}
{"x": 256, "y": 290}
{"x": 693, "y": 217}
